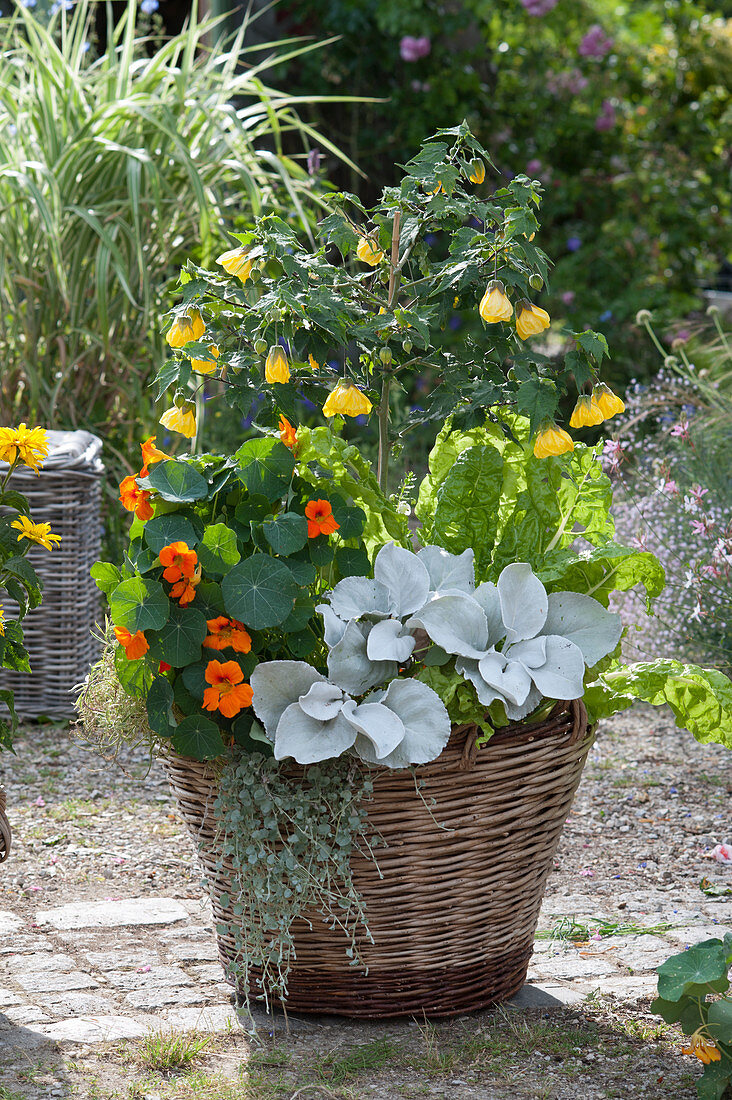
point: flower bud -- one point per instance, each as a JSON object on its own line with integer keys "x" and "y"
{"x": 476, "y": 170}
{"x": 643, "y": 316}
{"x": 535, "y": 281}
{"x": 260, "y": 346}
{"x": 407, "y": 346}
{"x": 385, "y": 356}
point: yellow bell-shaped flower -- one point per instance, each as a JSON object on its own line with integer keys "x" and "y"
{"x": 277, "y": 366}
{"x": 608, "y": 402}
{"x": 185, "y": 328}
{"x": 346, "y": 400}
{"x": 476, "y": 171}
{"x": 530, "y": 319}
{"x": 495, "y": 305}
{"x": 586, "y": 413}
{"x": 235, "y": 262}
{"x": 369, "y": 252}
{"x": 181, "y": 420}
{"x": 552, "y": 440}
{"x": 207, "y": 366}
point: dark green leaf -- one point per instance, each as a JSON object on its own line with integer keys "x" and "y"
{"x": 693, "y": 971}
{"x": 259, "y": 592}
{"x": 352, "y": 562}
{"x": 302, "y": 644}
{"x": 286, "y": 533}
{"x": 266, "y": 467}
{"x": 300, "y": 615}
{"x": 351, "y": 521}
{"x": 160, "y": 707}
{"x": 198, "y": 737}
{"x": 139, "y": 604}
{"x": 134, "y": 676}
{"x": 160, "y": 531}
{"x": 538, "y": 399}
{"x": 180, "y": 640}
{"x": 303, "y": 572}
{"x": 177, "y": 481}
{"x": 321, "y": 552}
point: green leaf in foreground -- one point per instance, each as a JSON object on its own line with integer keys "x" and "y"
{"x": 180, "y": 640}
{"x": 170, "y": 527}
{"x": 218, "y": 551}
{"x": 177, "y": 481}
{"x": 700, "y": 698}
{"x": 693, "y": 971}
{"x": 198, "y": 737}
{"x": 259, "y": 592}
{"x": 139, "y": 604}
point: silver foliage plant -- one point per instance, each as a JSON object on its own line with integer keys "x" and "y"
{"x": 511, "y": 640}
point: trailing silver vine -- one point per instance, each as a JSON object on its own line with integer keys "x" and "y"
{"x": 290, "y": 838}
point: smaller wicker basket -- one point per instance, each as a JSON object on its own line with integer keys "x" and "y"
{"x": 4, "y": 829}
{"x": 463, "y": 871}
{"x": 58, "y": 635}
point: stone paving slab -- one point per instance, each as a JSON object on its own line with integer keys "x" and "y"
{"x": 114, "y": 914}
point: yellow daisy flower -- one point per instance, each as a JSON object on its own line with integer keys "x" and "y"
{"x": 36, "y": 532}
{"x": 28, "y": 445}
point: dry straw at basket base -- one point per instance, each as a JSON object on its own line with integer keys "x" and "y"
{"x": 67, "y": 494}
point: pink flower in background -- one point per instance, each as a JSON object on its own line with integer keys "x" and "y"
{"x": 539, "y": 7}
{"x": 533, "y": 167}
{"x": 680, "y": 431}
{"x": 722, "y": 853}
{"x": 595, "y": 43}
{"x": 39, "y": 801}
{"x": 414, "y": 49}
{"x": 606, "y": 119}
{"x": 568, "y": 296}
{"x": 669, "y": 487}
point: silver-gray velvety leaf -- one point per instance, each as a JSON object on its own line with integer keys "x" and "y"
{"x": 335, "y": 628}
{"x": 530, "y": 653}
{"x": 486, "y": 596}
{"x": 425, "y": 719}
{"x": 467, "y": 667}
{"x": 309, "y": 741}
{"x": 379, "y": 730}
{"x": 389, "y": 641}
{"x": 515, "y": 712}
{"x": 354, "y": 597}
{"x": 405, "y": 577}
{"x": 455, "y": 622}
{"x": 585, "y": 622}
{"x": 323, "y": 701}
{"x": 562, "y": 674}
{"x": 524, "y": 601}
{"x": 349, "y": 665}
{"x": 277, "y": 684}
{"x": 448, "y": 572}
{"x": 509, "y": 678}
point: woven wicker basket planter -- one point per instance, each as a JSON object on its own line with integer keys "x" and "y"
{"x": 454, "y": 916}
{"x": 67, "y": 494}
{"x": 4, "y": 829}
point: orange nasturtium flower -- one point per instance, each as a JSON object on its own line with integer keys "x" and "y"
{"x": 181, "y": 420}
{"x": 608, "y": 402}
{"x": 288, "y": 433}
{"x": 135, "y": 499}
{"x": 184, "y": 590}
{"x": 185, "y": 328}
{"x": 346, "y": 400}
{"x": 134, "y": 645}
{"x": 28, "y": 445}
{"x": 36, "y": 532}
{"x": 586, "y": 413}
{"x": 227, "y": 634}
{"x": 530, "y": 319}
{"x": 208, "y": 365}
{"x": 321, "y": 520}
{"x": 227, "y": 693}
{"x": 277, "y": 367}
{"x": 704, "y": 1049}
{"x": 368, "y": 251}
{"x": 151, "y": 454}
{"x": 235, "y": 262}
{"x": 178, "y": 560}
{"x": 552, "y": 440}
{"x": 495, "y": 305}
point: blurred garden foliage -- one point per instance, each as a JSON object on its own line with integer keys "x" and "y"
{"x": 622, "y": 110}
{"x": 118, "y": 163}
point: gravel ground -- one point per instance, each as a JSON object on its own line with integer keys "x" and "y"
{"x": 651, "y": 806}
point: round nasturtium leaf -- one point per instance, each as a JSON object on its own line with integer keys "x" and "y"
{"x": 217, "y": 551}
{"x": 139, "y": 604}
{"x": 352, "y": 562}
{"x": 259, "y": 592}
{"x": 170, "y": 527}
{"x": 286, "y": 533}
{"x": 160, "y": 707}
{"x": 177, "y": 481}
{"x": 134, "y": 676}
{"x": 266, "y": 467}
{"x": 180, "y": 640}
{"x": 198, "y": 737}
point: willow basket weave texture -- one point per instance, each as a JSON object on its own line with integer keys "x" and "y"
{"x": 464, "y": 870}
{"x": 67, "y": 494}
{"x": 4, "y": 829}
